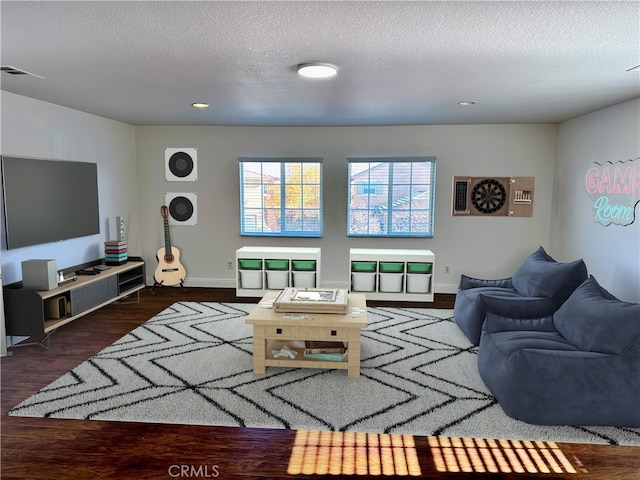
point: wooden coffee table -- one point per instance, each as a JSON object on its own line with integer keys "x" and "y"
{"x": 272, "y": 330}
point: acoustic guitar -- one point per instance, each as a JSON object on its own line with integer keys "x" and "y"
{"x": 169, "y": 271}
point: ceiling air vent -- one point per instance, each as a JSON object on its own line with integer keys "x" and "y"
{"x": 17, "y": 71}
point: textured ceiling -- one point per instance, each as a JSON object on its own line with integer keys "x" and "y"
{"x": 400, "y": 62}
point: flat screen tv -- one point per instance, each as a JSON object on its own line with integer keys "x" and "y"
{"x": 48, "y": 200}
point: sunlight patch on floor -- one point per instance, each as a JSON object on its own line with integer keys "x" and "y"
{"x": 316, "y": 452}
{"x": 453, "y": 454}
{"x": 353, "y": 453}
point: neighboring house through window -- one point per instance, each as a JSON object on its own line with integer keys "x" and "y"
{"x": 391, "y": 197}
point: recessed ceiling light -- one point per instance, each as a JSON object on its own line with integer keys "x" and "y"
{"x": 200, "y": 105}
{"x": 466, "y": 103}
{"x": 317, "y": 70}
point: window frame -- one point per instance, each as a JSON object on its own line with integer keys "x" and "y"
{"x": 392, "y": 206}
{"x": 280, "y": 208}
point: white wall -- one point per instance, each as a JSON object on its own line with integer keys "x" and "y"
{"x": 488, "y": 247}
{"x": 32, "y": 128}
{"x": 132, "y": 185}
{"x": 612, "y": 253}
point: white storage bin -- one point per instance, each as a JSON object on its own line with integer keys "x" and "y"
{"x": 277, "y": 279}
{"x": 251, "y": 278}
{"x": 363, "y": 281}
{"x": 302, "y": 279}
{"x": 418, "y": 282}
{"x": 390, "y": 282}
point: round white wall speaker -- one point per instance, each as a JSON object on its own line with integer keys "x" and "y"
{"x": 183, "y": 208}
{"x": 181, "y": 164}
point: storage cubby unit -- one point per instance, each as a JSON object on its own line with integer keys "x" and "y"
{"x": 39, "y": 312}
{"x": 261, "y": 269}
{"x": 392, "y": 274}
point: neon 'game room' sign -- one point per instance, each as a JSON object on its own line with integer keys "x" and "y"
{"x": 614, "y": 189}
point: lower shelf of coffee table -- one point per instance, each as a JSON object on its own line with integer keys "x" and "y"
{"x": 300, "y": 361}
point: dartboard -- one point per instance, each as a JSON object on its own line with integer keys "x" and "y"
{"x": 488, "y": 196}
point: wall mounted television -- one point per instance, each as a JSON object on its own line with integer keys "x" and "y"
{"x": 48, "y": 200}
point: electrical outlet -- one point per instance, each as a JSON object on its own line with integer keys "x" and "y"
{"x": 229, "y": 265}
{"x": 447, "y": 270}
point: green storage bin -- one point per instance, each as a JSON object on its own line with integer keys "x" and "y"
{"x": 308, "y": 265}
{"x": 363, "y": 266}
{"x": 277, "y": 264}
{"x": 250, "y": 263}
{"x": 419, "y": 267}
{"x": 391, "y": 267}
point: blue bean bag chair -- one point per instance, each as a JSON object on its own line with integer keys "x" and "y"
{"x": 579, "y": 366}
{"x": 537, "y": 288}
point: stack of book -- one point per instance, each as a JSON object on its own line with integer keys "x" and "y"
{"x": 321, "y": 350}
{"x": 115, "y": 252}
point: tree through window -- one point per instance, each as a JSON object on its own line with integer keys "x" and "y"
{"x": 281, "y": 197}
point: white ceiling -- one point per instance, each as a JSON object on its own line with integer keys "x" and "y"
{"x": 401, "y": 62}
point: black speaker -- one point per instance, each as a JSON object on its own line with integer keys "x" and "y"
{"x": 183, "y": 208}
{"x": 181, "y": 164}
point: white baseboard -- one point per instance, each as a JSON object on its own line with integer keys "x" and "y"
{"x": 446, "y": 288}
{"x": 230, "y": 283}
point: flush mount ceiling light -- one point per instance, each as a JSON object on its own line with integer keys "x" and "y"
{"x": 317, "y": 70}
{"x": 466, "y": 103}
{"x": 199, "y": 105}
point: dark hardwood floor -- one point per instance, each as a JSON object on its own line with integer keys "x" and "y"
{"x": 41, "y": 448}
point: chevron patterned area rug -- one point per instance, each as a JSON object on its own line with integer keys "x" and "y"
{"x": 192, "y": 364}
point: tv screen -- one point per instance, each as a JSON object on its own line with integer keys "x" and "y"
{"x": 48, "y": 200}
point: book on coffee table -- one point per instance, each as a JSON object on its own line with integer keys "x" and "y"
{"x": 317, "y": 300}
{"x": 321, "y": 346}
{"x": 333, "y": 357}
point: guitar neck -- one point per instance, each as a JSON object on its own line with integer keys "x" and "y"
{"x": 167, "y": 241}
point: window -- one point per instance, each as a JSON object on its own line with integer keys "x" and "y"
{"x": 281, "y": 197}
{"x": 391, "y": 197}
